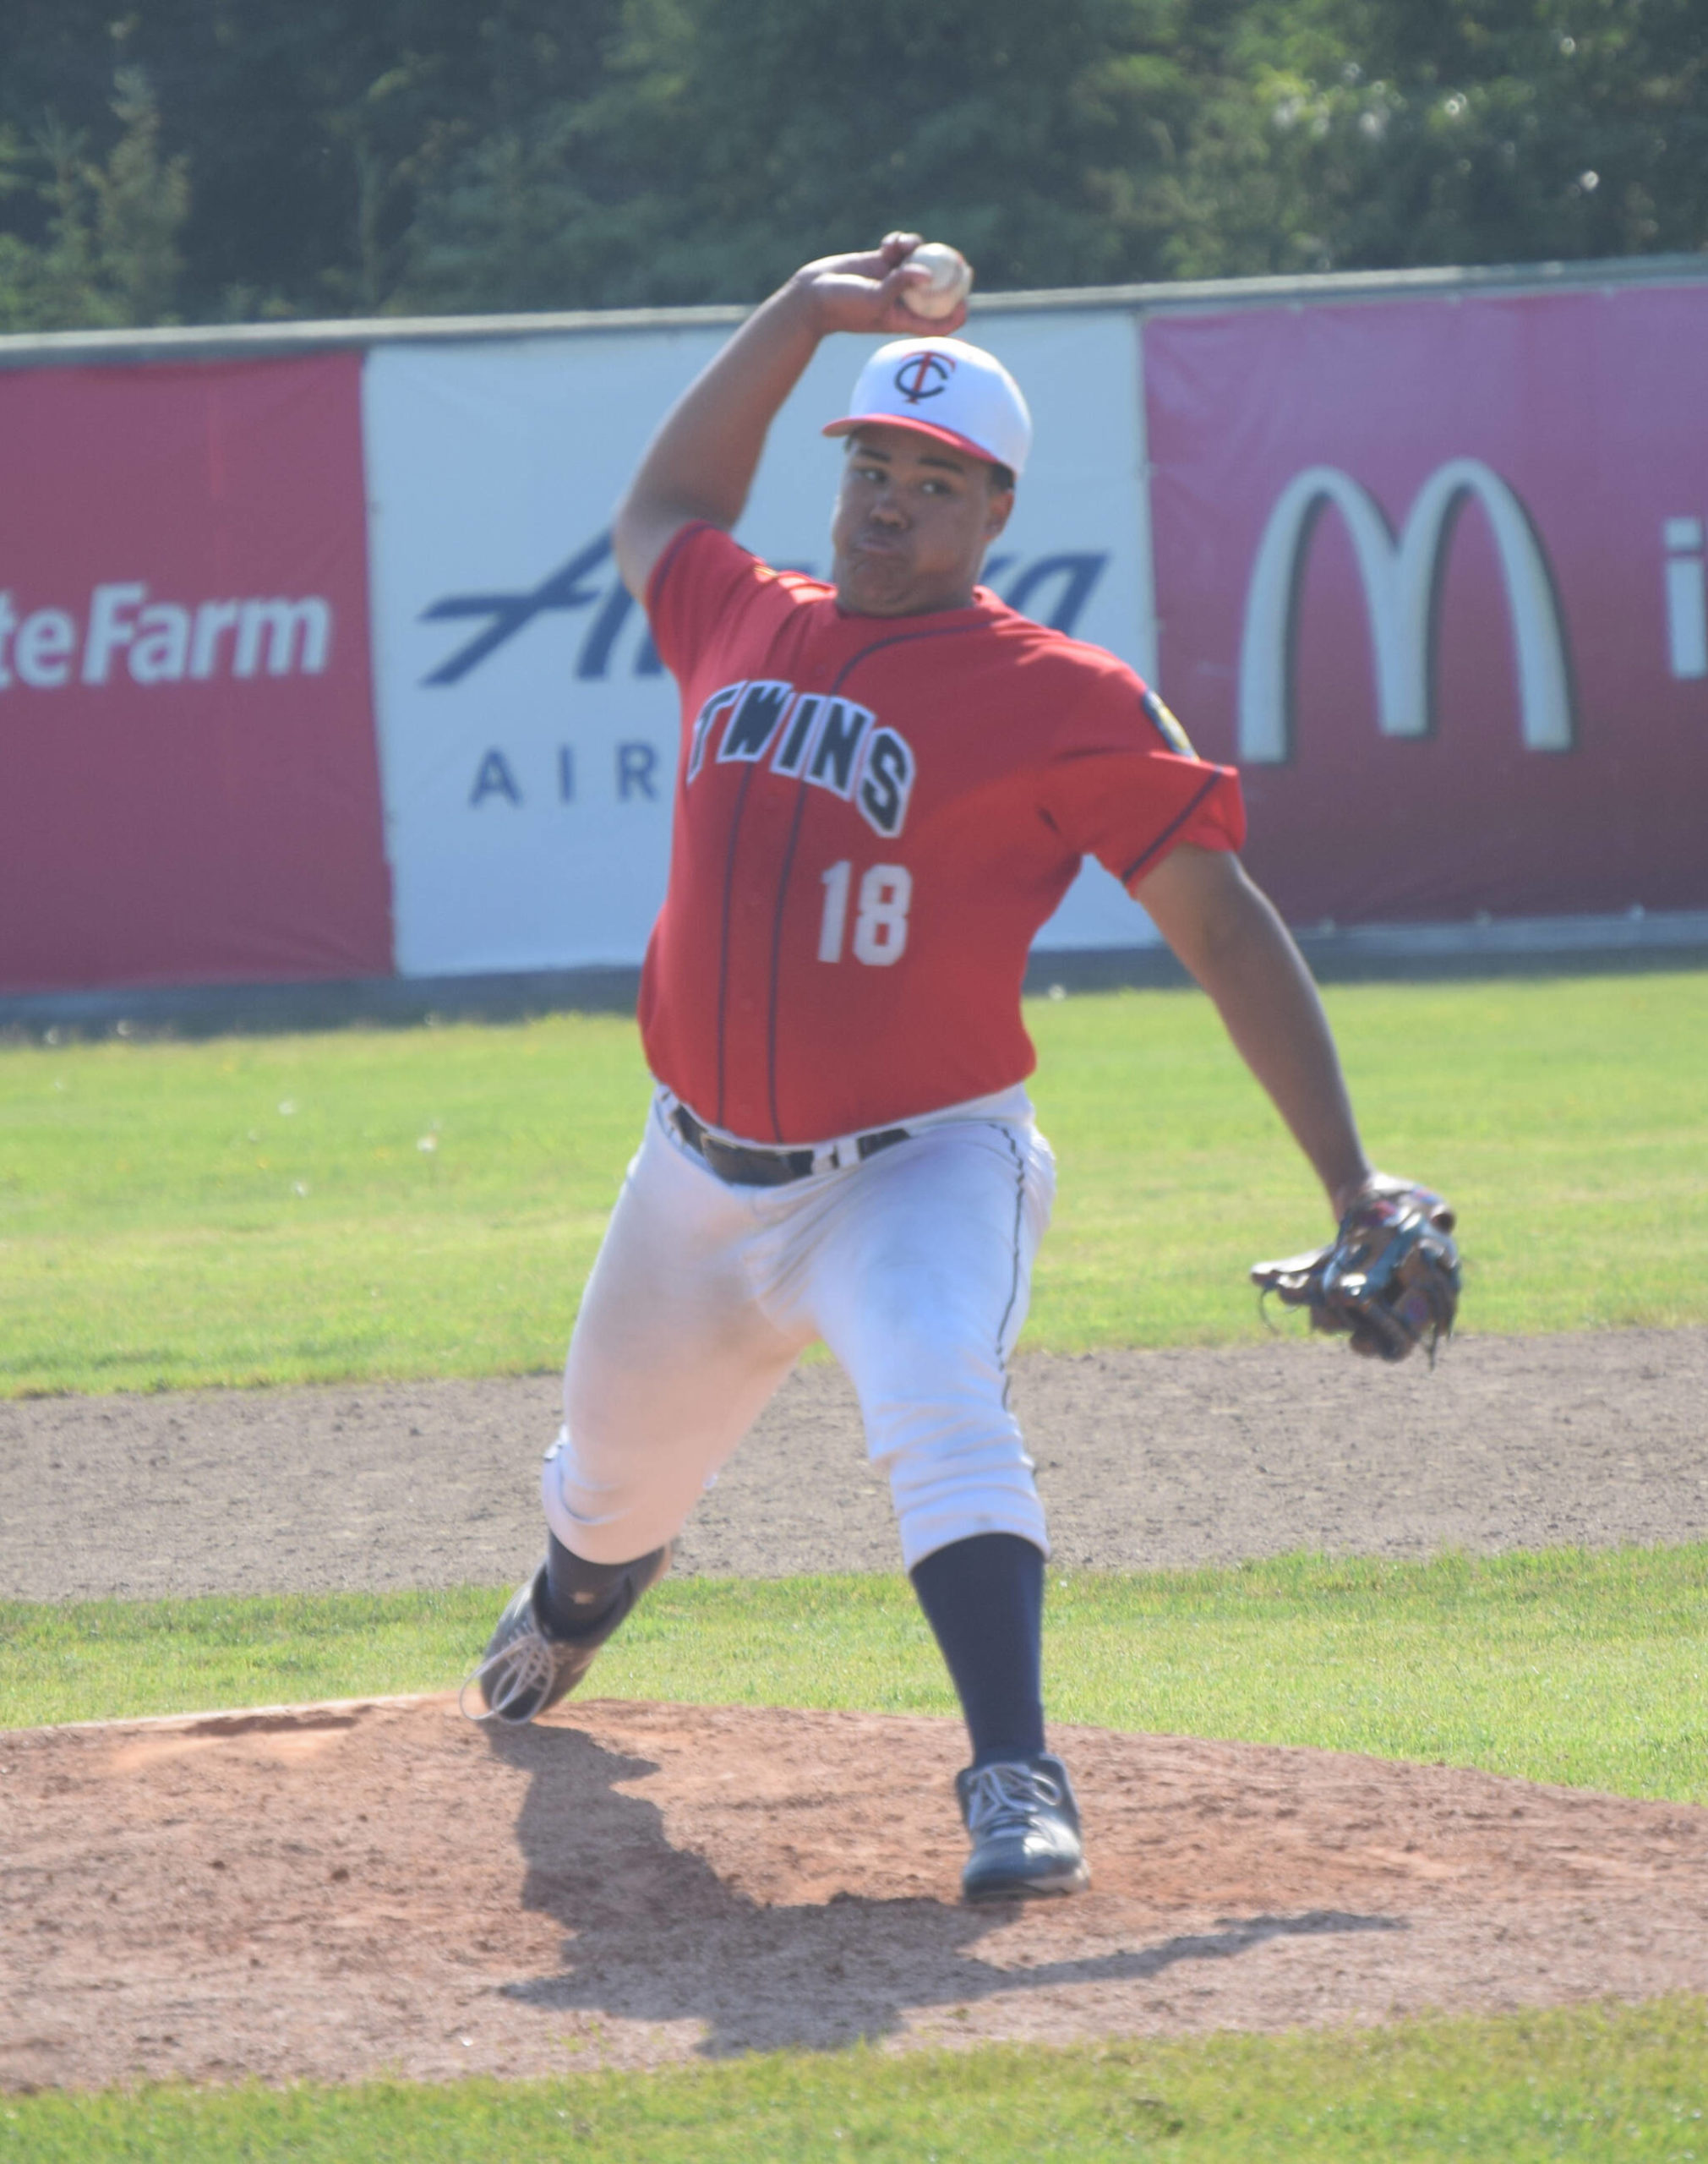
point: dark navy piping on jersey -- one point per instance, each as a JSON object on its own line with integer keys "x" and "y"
{"x": 654, "y": 587}
{"x": 777, "y": 957}
{"x": 747, "y": 774}
{"x": 1172, "y": 828}
{"x": 901, "y": 638}
{"x": 897, "y": 638}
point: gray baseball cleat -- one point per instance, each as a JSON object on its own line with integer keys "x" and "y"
{"x": 527, "y": 1667}
{"x": 1024, "y": 1825}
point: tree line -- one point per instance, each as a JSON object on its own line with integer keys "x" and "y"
{"x": 234, "y": 160}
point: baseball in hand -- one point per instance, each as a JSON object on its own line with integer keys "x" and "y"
{"x": 952, "y": 280}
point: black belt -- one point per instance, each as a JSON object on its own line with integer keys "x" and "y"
{"x": 743, "y": 1167}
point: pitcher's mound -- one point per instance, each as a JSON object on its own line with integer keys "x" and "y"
{"x": 342, "y": 1891}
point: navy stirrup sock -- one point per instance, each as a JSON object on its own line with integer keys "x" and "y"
{"x": 984, "y": 1600}
{"x": 579, "y": 1594}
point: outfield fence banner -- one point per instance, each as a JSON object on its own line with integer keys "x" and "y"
{"x": 528, "y": 736}
{"x": 1432, "y": 572}
{"x": 319, "y": 667}
{"x": 191, "y": 792}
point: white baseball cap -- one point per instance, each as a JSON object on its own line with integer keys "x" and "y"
{"x": 944, "y": 388}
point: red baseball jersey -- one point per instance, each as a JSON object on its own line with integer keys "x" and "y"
{"x": 873, "y": 818}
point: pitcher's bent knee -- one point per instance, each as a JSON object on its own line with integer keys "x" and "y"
{"x": 612, "y": 1520}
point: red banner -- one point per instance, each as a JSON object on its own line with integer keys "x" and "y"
{"x": 1433, "y": 572}
{"x": 188, "y": 787}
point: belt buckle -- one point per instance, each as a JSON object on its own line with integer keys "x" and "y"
{"x": 733, "y": 1163}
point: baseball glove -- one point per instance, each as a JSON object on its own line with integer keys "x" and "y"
{"x": 1391, "y": 1278}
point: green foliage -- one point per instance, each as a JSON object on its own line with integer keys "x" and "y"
{"x": 110, "y": 253}
{"x": 1584, "y": 1669}
{"x": 405, "y": 1204}
{"x": 354, "y": 158}
{"x": 1405, "y": 131}
{"x": 1038, "y": 153}
{"x": 1595, "y": 2083}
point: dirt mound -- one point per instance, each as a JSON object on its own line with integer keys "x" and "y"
{"x": 341, "y": 1891}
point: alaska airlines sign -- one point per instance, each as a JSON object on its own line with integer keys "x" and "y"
{"x": 1054, "y": 589}
{"x": 1400, "y": 577}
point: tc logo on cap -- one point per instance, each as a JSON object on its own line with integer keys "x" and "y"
{"x": 923, "y": 376}
{"x": 968, "y": 399}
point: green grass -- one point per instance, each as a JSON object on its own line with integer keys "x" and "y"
{"x": 1589, "y": 2083}
{"x": 262, "y": 1210}
{"x": 165, "y": 1221}
{"x": 1563, "y": 1116}
{"x": 1568, "y": 1666}
{"x": 1590, "y": 1669}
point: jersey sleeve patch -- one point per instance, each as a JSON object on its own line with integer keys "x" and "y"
{"x": 1166, "y": 726}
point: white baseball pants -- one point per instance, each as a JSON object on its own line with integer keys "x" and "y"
{"x": 915, "y": 1267}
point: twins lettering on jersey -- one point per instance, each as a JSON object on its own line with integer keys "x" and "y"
{"x": 811, "y": 736}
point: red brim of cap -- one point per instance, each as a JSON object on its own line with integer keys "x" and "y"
{"x": 846, "y": 427}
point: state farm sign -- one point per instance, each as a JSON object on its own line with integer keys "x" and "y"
{"x": 1433, "y": 574}
{"x": 190, "y": 785}
{"x": 161, "y": 642}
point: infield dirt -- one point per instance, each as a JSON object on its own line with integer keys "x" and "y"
{"x": 347, "y": 1891}
{"x": 1146, "y": 1461}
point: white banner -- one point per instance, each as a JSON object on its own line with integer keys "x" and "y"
{"x": 527, "y": 736}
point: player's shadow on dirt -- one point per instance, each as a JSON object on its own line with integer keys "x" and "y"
{"x": 658, "y": 1937}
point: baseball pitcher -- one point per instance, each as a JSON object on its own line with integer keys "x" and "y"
{"x": 887, "y": 781}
